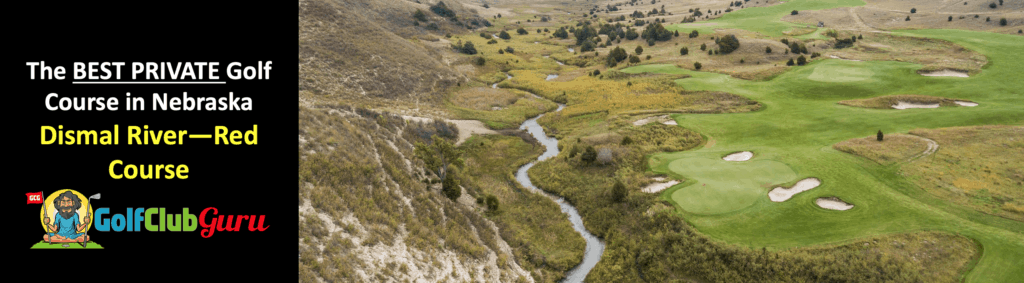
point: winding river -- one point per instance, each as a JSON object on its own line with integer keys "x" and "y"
{"x": 595, "y": 247}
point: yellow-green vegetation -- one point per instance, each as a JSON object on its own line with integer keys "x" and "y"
{"x": 533, "y": 225}
{"x": 652, "y": 94}
{"x": 894, "y": 148}
{"x": 978, "y": 167}
{"x": 887, "y": 101}
{"x": 498, "y": 108}
{"x": 934, "y": 54}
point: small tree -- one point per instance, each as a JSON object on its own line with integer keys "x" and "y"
{"x": 619, "y": 191}
{"x": 768, "y": 50}
{"x": 992, "y": 5}
{"x": 794, "y": 12}
{"x": 950, "y": 19}
{"x": 694, "y": 34}
{"x": 703, "y": 47}
{"x": 790, "y": 62}
{"x": 633, "y": 59}
{"x": 522, "y": 31}
{"x": 907, "y": 19}
{"x": 684, "y": 51}
{"x": 801, "y": 60}
{"x": 696, "y": 65}
{"x": 480, "y": 61}
{"x": 440, "y": 157}
{"x": 879, "y": 136}
{"x": 639, "y": 50}
{"x": 988, "y": 19}
{"x": 626, "y": 141}
{"x": 860, "y": 36}
{"x": 504, "y": 35}
{"x": 913, "y": 10}
{"x": 1002, "y": 22}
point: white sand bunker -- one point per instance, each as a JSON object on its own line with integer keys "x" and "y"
{"x": 907, "y": 105}
{"x": 551, "y": 77}
{"x": 833, "y": 203}
{"x": 659, "y": 186}
{"x": 739, "y": 156}
{"x": 670, "y": 123}
{"x": 780, "y": 194}
{"x": 966, "y": 103}
{"x": 944, "y": 73}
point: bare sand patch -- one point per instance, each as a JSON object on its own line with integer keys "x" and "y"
{"x": 907, "y": 105}
{"x": 466, "y": 127}
{"x": 966, "y": 103}
{"x": 739, "y": 156}
{"x": 550, "y": 77}
{"x": 944, "y": 73}
{"x": 780, "y": 194}
{"x": 659, "y": 186}
{"x": 833, "y": 203}
{"x": 664, "y": 119}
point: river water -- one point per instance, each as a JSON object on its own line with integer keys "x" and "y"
{"x": 595, "y": 247}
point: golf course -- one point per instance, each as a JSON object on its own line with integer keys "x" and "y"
{"x": 792, "y": 138}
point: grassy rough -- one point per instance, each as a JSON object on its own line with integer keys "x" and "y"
{"x": 894, "y": 148}
{"x": 978, "y": 167}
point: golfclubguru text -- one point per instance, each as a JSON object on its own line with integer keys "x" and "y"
{"x": 157, "y": 220}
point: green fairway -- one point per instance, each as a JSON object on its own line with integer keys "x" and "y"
{"x": 719, "y": 191}
{"x": 766, "y": 20}
{"x": 801, "y": 121}
{"x": 45, "y": 245}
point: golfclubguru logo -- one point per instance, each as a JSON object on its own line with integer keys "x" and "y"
{"x": 67, "y": 216}
{"x": 158, "y": 220}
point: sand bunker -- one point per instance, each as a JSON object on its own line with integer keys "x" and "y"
{"x": 551, "y": 77}
{"x": 907, "y": 105}
{"x": 739, "y": 156}
{"x": 571, "y": 50}
{"x": 966, "y": 103}
{"x": 944, "y": 73}
{"x": 466, "y": 127}
{"x": 670, "y": 123}
{"x": 833, "y": 203}
{"x": 659, "y": 186}
{"x": 780, "y": 194}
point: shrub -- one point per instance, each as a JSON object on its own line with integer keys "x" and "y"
{"x": 950, "y": 19}
{"x": 784, "y": 41}
{"x": 587, "y": 46}
{"x": 794, "y": 12}
{"x": 639, "y": 50}
{"x": 694, "y": 34}
{"x": 441, "y": 9}
{"x": 913, "y": 10}
{"x": 988, "y": 19}
{"x": 619, "y": 191}
{"x": 703, "y": 47}
{"x": 633, "y": 59}
{"x": 741, "y": 61}
{"x": 468, "y": 48}
{"x": 1002, "y": 22}
{"x": 631, "y": 34}
{"x": 492, "y": 203}
{"x": 480, "y": 61}
{"x": 510, "y": 50}
{"x": 727, "y": 44}
{"x": 597, "y": 73}
{"x": 711, "y": 52}
{"x": 626, "y": 141}
{"x": 790, "y": 62}
{"x": 992, "y": 5}
{"x": 522, "y": 31}
{"x": 589, "y": 155}
{"x": 801, "y": 60}
{"x": 561, "y": 33}
{"x": 419, "y": 15}
{"x": 879, "y": 136}
{"x": 604, "y": 156}
{"x": 618, "y": 54}
{"x": 501, "y": 51}
{"x": 684, "y": 51}
{"x": 860, "y": 36}
{"x": 696, "y": 65}
{"x": 504, "y": 35}
{"x": 492, "y": 41}
{"x": 432, "y": 26}
{"x": 450, "y": 188}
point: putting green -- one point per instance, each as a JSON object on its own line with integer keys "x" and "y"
{"x": 725, "y": 186}
{"x": 839, "y": 71}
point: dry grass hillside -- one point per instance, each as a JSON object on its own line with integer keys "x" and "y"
{"x": 929, "y": 14}
{"x": 370, "y": 53}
